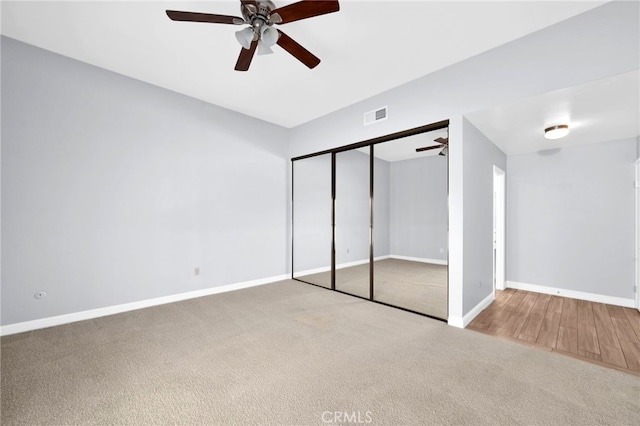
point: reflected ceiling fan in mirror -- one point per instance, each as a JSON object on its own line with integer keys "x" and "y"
{"x": 260, "y": 34}
{"x": 443, "y": 143}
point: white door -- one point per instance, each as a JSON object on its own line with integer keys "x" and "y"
{"x": 499, "y": 187}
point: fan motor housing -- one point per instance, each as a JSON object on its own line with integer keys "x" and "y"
{"x": 264, "y": 10}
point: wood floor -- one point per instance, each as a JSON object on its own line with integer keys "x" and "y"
{"x": 604, "y": 334}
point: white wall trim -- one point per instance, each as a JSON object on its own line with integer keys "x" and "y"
{"x": 499, "y": 227}
{"x": 359, "y": 262}
{"x": 340, "y": 266}
{"x": 312, "y": 271}
{"x": 420, "y": 259}
{"x": 455, "y": 322}
{"x": 464, "y": 321}
{"x": 20, "y": 327}
{"x": 375, "y": 259}
{"x": 591, "y": 297}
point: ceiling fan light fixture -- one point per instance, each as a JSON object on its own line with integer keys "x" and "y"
{"x": 245, "y": 37}
{"x": 269, "y": 36}
{"x": 260, "y": 16}
{"x": 263, "y": 48}
{"x": 556, "y": 132}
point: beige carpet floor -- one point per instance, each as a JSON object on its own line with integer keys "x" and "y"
{"x": 418, "y": 286}
{"x": 291, "y": 353}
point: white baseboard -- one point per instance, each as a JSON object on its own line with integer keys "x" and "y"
{"x": 375, "y": 259}
{"x": 419, "y": 259}
{"x": 339, "y": 266}
{"x": 312, "y": 271}
{"x": 591, "y": 297}
{"x": 20, "y": 327}
{"x": 462, "y": 322}
{"x": 359, "y": 262}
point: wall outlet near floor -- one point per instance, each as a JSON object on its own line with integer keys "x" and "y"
{"x": 40, "y": 295}
{"x": 196, "y": 271}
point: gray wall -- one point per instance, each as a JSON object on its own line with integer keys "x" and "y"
{"x": 419, "y": 208}
{"x": 352, "y": 206}
{"x": 114, "y": 190}
{"x": 381, "y": 208}
{"x": 513, "y": 71}
{"x": 570, "y": 218}
{"x": 312, "y": 213}
{"x": 480, "y": 155}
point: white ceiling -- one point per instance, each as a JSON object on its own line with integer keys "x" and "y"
{"x": 603, "y": 110}
{"x": 366, "y": 48}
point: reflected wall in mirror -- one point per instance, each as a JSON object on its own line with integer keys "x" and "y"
{"x": 312, "y": 233}
{"x": 352, "y": 226}
{"x": 413, "y": 273}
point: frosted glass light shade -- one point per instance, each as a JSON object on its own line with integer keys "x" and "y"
{"x": 245, "y": 37}
{"x": 270, "y": 36}
{"x": 263, "y": 49}
{"x": 556, "y": 132}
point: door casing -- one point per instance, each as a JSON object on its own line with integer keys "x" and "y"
{"x": 499, "y": 187}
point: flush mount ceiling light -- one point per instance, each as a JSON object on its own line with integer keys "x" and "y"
{"x": 556, "y": 132}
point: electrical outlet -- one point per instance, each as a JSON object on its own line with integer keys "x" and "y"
{"x": 196, "y": 271}
{"x": 40, "y": 295}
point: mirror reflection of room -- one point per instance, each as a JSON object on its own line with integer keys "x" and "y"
{"x": 312, "y": 220}
{"x": 411, "y": 223}
{"x": 352, "y": 229}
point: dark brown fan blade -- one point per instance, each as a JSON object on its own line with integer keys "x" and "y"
{"x": 299, "y": 52}
{"x": 443, "y": 141}
{"x": 305, "y": 9}
{"x": 427, "y": 148}
{"x": 246, "y": 55}
{"x": 177, "y": 15}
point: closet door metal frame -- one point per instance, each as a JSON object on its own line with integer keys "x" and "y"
{"x": 370, "y": 142}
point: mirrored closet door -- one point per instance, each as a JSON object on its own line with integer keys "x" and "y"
{"x": 312, "y": 226}
{"x": 352, "y": 224}
{"x": 371, "y": 220}
{"x": 410, "y": 270}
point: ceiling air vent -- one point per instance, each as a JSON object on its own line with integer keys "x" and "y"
{"x": 375, "y": 116}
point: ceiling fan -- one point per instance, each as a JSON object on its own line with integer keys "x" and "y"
{"x": 261, "y": 15}
{"x": 442, "y": 143}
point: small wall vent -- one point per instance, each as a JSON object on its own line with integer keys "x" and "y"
{"x": 375, "y": 116}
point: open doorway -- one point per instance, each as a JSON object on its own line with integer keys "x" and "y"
{"x": 498, "y": 229}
